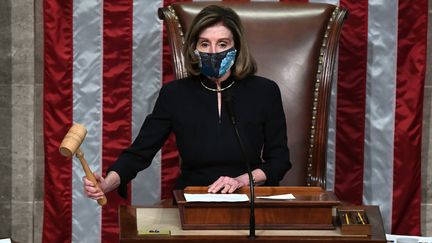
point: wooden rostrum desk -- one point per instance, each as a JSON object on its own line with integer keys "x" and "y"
{"x": 218, "y": 227}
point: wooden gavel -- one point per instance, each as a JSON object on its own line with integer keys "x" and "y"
{"x": 70, "y": 146}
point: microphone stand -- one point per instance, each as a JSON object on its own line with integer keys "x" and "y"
{"x": 230, "y": 109}
{"x": 251, "y": 185}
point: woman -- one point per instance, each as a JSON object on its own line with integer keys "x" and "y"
{"x": 219, "y": 65}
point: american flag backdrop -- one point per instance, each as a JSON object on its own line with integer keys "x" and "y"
{"x": 105, "y": 62}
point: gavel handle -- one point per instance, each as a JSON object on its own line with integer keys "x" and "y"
{"x": 89, "y": 174}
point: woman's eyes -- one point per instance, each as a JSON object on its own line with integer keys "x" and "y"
{"x": 222, "y": 45}
{"x": 204, "y": 44}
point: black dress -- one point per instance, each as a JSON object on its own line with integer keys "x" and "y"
{"x": 206, "y": 141}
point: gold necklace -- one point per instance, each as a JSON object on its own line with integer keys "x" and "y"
{"x": 217, "y": 90}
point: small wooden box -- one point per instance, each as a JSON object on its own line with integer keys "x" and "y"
{"x": 353, "y": 221}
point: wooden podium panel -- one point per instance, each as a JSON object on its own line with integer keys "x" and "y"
{"x": 312, "y": 208}
{"x": 129, "y": 232}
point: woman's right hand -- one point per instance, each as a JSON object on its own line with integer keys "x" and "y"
{"x": 94, "y": 191}
{"x": 107, "y": 184}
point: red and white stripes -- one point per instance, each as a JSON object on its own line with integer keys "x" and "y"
{"x": 105, "y": 62}
{"x": 381, "y": 74}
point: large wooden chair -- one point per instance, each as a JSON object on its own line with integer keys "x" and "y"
{"x": 294, "y": 44}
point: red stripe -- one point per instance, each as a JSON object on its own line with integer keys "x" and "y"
{"x": 411, "y": 66}
{"x": 57, "y": 113}
{"x": 117, "y": 99}
{"x": 351, "y": 93}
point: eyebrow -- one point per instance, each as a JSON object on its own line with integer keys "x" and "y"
{"x": 221, "y": 39}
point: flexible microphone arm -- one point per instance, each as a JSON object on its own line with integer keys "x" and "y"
{"x": 229, "y": 103}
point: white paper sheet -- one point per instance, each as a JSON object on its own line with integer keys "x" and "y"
{"x": 210, "y": 197}
{"x": 395, "y": 238}
{"x": 278, "y": 197}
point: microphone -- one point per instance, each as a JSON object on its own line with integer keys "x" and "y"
{"x": 229, "y": 105}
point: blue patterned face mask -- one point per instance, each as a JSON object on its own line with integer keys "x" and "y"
{"x": 215, "y": 65}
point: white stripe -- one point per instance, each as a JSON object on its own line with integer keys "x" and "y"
{"x": 380, "y": 106}
{"x": 146, "y": 83}
{"x": 87, "y": 76}
{"x": 334, "y": 2}
{"x": 264, "y": 0}
{"x": 331, "y": 139}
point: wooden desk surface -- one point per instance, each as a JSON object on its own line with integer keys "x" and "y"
{"x": 129, "y": 233}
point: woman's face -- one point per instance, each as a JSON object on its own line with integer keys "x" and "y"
{"x": 214, "y": 39}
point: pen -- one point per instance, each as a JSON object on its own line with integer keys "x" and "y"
{"x": 366, "y": 218}
{"x": 358, "y": 221}
{"x": 361, "y": 218}
{"x": 346, "y": 218}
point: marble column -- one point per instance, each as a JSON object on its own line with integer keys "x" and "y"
{"x": 5, "y": 118}
{"x": 23, "y": 120}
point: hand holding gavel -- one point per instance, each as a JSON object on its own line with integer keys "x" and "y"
{"x": 70, "y": 146}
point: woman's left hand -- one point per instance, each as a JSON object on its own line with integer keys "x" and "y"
{"x": 226, "y": 184}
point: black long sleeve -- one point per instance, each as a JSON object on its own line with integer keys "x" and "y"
{"x": 152, "y": 135}
{"x": 206, "y": 141}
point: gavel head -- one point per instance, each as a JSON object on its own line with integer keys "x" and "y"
{"x": 72, "y": 140}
